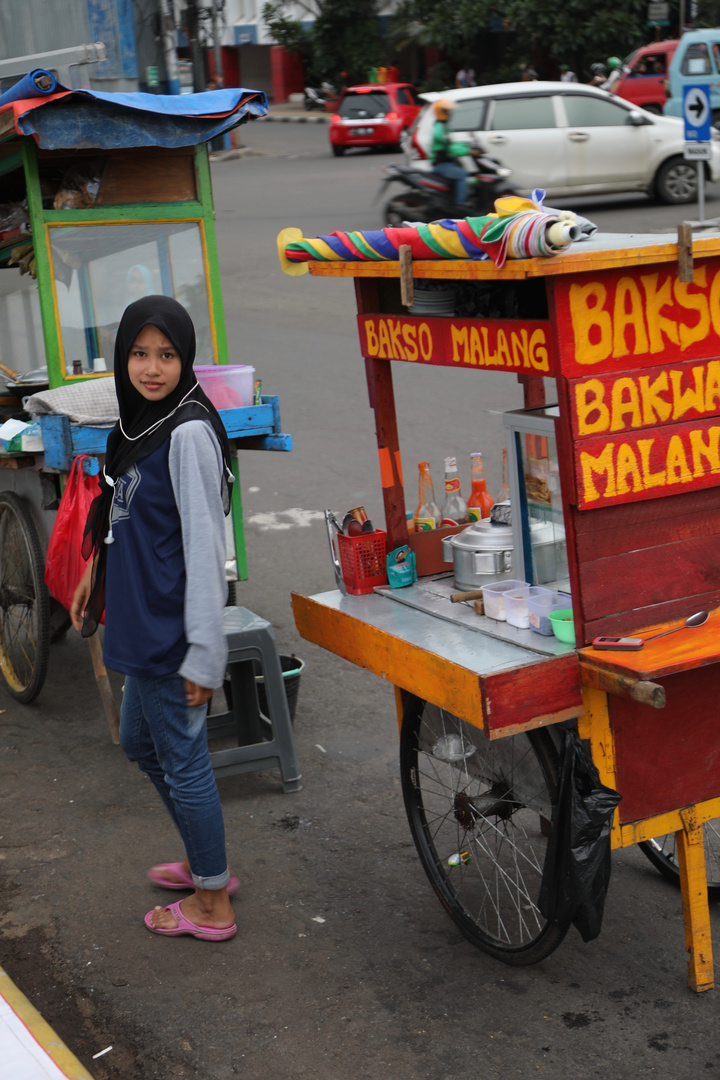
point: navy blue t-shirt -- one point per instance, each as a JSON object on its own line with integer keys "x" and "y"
{"x": 145, "y": 581}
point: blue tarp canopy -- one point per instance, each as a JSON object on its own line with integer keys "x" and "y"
{"x": 94, "y": 119}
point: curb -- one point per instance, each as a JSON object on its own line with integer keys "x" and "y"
{"x": 300, "y": 119}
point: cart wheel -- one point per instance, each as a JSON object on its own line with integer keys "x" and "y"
{"x": 24, "y": 601}
{"x": 479, "y": 813}
{"x": 661, "y": 853}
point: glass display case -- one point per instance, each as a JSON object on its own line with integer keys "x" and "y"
{"x": 540, "y": 550}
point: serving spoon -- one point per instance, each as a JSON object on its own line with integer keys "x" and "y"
{"x": 697, "y": 619}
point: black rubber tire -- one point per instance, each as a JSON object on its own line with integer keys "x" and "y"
{"x": 404, "y": 208}
{"x": 656, "y": 110}
{"x": 466, "y": 795}
{"x": 676, "y": 181}
{"x": 338, "y": 151}
{"x": 24, "y": 601}
{"x": 661, "y": 853}
{"x": 716, "y": 118}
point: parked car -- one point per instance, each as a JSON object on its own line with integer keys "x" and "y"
{"x": 570, "y": 139}
{"x": 644, "y": 75}
{"x": 696, "y": 60}
{"x": 374, "y": 115}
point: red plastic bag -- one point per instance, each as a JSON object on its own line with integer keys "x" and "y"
{"x": 64, "y": 564}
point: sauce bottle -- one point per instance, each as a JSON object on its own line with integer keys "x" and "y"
{"x": 427, "y": 515}
{"x": 455, "y": 509}
{"x": 481, "y": 501}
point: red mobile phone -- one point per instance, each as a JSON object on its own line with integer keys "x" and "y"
{"x": 619, "y": 644}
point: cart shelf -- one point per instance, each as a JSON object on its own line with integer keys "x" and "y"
{"x": 492, "y": 683}
{"x": 257, "y": 427}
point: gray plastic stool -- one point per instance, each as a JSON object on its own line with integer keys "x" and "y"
{"x": 249, "y": 638}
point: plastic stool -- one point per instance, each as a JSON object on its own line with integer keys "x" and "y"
{"x": 249, "y": 638}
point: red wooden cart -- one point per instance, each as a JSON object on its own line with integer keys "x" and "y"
{"x": 633, "y": 345}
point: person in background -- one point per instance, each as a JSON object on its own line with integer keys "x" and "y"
{"x": 471, "y": 81}
{"x": 615, "y": 68}
{"x": 528, "y": 73}
{"x": 461, "y": 78}
{"x": 444, "y": 153}
{"x": 566, "y": 75}
{"x": 598, "y": 73}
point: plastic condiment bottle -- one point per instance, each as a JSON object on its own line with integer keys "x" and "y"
{"x": 455, "y": 509}
{"x": 481, "y": 501}
{"x": 427, "y": 515}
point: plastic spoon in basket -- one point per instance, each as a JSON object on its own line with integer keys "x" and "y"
{"x": 698, "y": 619}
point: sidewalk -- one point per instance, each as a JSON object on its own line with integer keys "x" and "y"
{"x": 292, "y": 113}
{"x": 29, "y": 1048}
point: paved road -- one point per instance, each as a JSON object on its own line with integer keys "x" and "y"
{"x": 345, "y": 965}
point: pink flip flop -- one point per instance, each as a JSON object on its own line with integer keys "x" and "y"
{"x": 184, "y": 880}
{"x": 184, "y": 926}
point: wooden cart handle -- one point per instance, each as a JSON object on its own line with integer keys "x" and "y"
{"x": 458, "y": 597}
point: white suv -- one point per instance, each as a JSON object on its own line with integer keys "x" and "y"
{"x": 569, "y": 139}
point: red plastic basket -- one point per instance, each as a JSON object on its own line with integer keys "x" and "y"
{"x": 362, "y": 559}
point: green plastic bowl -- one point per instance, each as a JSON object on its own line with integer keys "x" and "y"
{"x": 562, "y": 624}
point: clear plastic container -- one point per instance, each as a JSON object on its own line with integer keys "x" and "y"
{"x": 540, "y": 603}
{"x": 229, "y": 386}
{"x": 516, "y": 606}
{"x": 494, "y": 598}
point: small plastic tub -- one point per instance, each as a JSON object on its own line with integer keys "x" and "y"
{"x": 540, "y": 603}
{"x": 229, "y": 386}
{"x": 516, "y": 606}
{"x": 494, "y": 597}
{"x": 562, "y": 624}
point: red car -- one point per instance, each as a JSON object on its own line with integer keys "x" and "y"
{"x": 373, "y": 115}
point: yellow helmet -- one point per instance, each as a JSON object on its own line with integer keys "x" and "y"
{"x": 443, "y": 108}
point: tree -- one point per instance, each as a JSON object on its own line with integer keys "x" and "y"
{"x": 342, "y": 43}
{"x": 578, "y": 32}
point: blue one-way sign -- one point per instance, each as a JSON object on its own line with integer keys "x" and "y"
{"x": 697, "y": 113}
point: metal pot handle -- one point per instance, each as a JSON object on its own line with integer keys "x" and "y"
{"x": 333, "y": 530}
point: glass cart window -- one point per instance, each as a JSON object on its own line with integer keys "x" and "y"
{"x": 537, "y": 455}
{"x": 100, "y": 269}
{"x": 22, "y": 348}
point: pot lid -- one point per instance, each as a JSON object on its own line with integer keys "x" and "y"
{"x": 483, "y": 536}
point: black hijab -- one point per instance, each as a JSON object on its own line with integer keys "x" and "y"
{"x": 144, "y": 426}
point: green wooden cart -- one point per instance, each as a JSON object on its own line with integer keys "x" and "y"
{"x": 103, "y": 198}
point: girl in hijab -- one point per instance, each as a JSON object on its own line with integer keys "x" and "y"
{"x": 155, "y": 538}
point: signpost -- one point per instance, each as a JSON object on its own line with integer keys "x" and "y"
{"x": 658, "y": 13}
{"x": 697, "y": 115}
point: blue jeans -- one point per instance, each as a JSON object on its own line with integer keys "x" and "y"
{"x": 167, "y": 739}
{"x": 454, "y": 172}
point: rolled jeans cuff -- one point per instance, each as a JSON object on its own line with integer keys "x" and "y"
{"x": 220, "y": 881}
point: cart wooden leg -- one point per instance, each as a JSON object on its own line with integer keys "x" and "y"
{"x": 696, "y": 912}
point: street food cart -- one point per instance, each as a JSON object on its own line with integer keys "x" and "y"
{"x": 630, "y": 443}
{"x": 103, "y": 198}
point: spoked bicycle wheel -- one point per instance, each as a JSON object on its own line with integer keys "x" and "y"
{"x": 479, "y": 811}
{"x": 24, "y": 601}
{"x": 661, "y": 851}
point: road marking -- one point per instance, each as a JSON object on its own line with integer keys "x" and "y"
{"x": 281, "y": 520}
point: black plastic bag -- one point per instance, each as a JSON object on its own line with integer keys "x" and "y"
{"x": 577, "y": 863}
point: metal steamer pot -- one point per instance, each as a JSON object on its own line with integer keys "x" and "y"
{"x": 480, "y": 554}
{"x": 483, "y": 553}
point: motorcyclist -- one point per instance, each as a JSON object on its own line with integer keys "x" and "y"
{"x": 615, "y": 67}
{"x": 444, "y": 152}
{"x": 598, "y": 74}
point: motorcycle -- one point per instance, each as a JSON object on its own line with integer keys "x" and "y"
{"x": 315, "y": 97}
{"x": 429, "y": 196}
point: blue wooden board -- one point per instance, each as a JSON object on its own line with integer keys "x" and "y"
{"x": 254, "y": 428}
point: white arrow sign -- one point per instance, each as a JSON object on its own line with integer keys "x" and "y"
{"x": 697, "y": 108}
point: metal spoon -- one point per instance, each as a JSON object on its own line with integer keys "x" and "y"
{"x": 695, "y": 620}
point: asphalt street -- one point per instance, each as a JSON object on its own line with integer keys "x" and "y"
{"x": 345, "y": 964}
